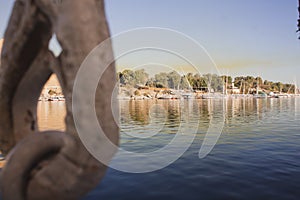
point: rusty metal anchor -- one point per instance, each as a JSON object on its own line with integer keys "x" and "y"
{"x": 51, "y": 164}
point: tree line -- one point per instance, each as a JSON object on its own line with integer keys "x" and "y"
{"x": 205, "y": 82}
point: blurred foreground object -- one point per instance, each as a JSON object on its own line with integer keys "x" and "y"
{"x": 299, "y": 17}
{"x": 51, "y": 164}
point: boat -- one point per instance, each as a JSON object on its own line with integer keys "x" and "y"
{"x": 53, "y": 99}
{"x": 61, "y": 98}
{"x": 260, "y": 95}
{"x": 168, "y": 96}
{"x": 188, "y": 96}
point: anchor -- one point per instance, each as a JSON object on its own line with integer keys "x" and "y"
{"x": 51, "y": 164}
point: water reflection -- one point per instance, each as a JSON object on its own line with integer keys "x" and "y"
{"x": 256, "y": 157}
{"x": 149, "y": 125}
{"x": 146, "y": 112}
{"x": 143, "y": 112}
{"x": 51, "y": 115}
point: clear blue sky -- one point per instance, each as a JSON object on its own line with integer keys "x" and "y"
{"x": 255, "y": 37}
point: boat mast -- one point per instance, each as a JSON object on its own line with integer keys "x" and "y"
{"x": 257, "y": 85}
{"x": 226, "y": 83}
{"x": 295, "y": 87}
{"x": 224, "y": 79}
{"x": 244, "y": 86}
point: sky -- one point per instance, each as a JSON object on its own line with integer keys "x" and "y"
{"x": 243, "y": 37}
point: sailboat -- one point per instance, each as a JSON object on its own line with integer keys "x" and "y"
{"x": 211, "y": 93}
{"x": 296, "y": 89}
{"x": 259, "y": 94}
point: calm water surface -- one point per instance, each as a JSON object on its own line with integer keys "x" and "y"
{"x": 256, "y": 157}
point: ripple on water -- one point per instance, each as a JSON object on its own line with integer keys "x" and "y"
{"x": 256, "y": 157}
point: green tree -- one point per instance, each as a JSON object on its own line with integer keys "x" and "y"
{"x": 162, "y": 79}
{"x": 151, "y": 82}
{"x": 184, "y": 83}
{"x": 190, "y": 79}
{"x": 199, "y": 82}
{"x": 217, "y": 83}
{"x": 127, "y": 77}
{"x": 141, "y": 77}
{"x": 174, "y": 80}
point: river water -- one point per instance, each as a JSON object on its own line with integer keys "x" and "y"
{"x": 257, "y": 155}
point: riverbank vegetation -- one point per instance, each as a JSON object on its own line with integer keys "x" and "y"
{"x": 205, "y": 82}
